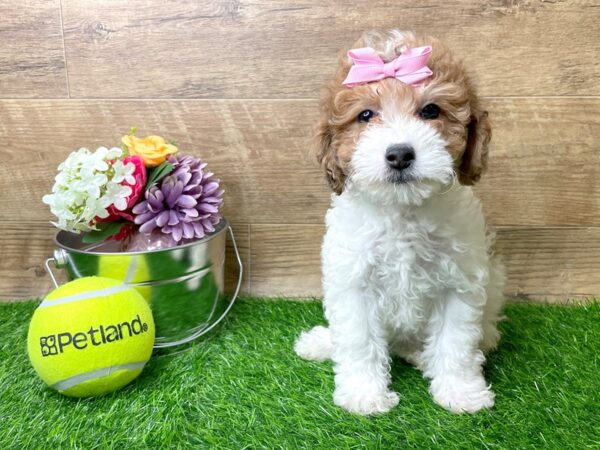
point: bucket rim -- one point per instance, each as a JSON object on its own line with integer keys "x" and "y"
{"x": 221, "y": 227}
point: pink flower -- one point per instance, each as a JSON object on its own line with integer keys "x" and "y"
{"x": 137, "y": 190}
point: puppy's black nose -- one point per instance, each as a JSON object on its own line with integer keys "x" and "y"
{"x": 400, "y": 156}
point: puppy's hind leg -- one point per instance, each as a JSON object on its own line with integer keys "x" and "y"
{"x": 492, "y": 312}
{"x": 314, "y": 345}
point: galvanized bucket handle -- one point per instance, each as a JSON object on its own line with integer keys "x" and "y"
{"x": 57, "y": 260}
{"x": 202, "y": 331}
{"x": 60, "y": 258}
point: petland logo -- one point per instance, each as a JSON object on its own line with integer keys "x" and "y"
{"x": 103, "y": 334}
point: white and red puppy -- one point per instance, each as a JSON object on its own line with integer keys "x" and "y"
{"x": 407, "y": 265}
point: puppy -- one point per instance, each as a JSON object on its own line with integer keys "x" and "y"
{"x": 406, "y": 260}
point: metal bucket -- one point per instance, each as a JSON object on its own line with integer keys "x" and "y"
{"x": 184, "y": 285}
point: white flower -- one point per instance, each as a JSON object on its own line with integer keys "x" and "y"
{"x": 86, "y": 185}
{"x": 105, "y": 154}
{"x": 92, "y": 183}
{"x": 124, "y": 172}
{"x": 95, "y": 207}
{"x": 117, "y": 195}
{"x": 94, "y": 162}
{"x": 59, "y": 206}
{"x": 74, "y": 159}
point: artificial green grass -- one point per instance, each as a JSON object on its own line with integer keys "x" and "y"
{"x": 244, "y": 388}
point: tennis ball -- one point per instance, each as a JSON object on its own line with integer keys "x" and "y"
{"x": 131, "y": 269}
{"x": 90, "y": 336}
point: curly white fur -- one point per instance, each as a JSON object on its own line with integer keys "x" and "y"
{"x": 407, "y": 269}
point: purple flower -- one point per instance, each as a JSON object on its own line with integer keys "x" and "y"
{"x": 184, "y": 204}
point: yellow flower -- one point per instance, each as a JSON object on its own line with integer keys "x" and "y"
{"x": 152, "y": 149}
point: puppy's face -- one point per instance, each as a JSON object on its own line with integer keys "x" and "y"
{"x": 399, "y": 141}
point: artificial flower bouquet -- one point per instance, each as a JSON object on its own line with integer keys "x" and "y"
{"x": 145, "y": 195}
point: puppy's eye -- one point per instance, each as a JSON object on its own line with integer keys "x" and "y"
{"x": 366, "y": 115}
{"x": 430, "y": 111}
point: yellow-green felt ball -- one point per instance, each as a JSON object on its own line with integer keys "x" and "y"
{"x": 90, "y": 336}
{"x": 131, "y": 269}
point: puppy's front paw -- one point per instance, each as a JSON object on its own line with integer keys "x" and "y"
{"x": 460, "y": 395}
{"x": 365, "y": 402}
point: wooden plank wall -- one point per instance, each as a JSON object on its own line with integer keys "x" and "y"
{"x": 237, "y": 83}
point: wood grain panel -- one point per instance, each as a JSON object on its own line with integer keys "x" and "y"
{"x": 278, "y": 49}
{"x": 32, "y": 60}
{"x": 554, "y": 264}
{"x": 25, "y": 247}
{"x": 23, "y": 251}
{"x": 542, "y": 263}
{"x": 286, "y": 259}
{"x": 544, "y": 167}
{"x": 257, "y": 148}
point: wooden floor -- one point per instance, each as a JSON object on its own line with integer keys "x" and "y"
{"x": 237, "y": 83}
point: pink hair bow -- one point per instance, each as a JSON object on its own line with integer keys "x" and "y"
{"x": 409, "y": 68}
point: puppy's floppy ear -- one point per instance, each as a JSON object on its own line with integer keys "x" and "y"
{"x": 474, "y": 159}
{"x": 326, "y": 155}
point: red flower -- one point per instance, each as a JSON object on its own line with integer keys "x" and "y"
{"x": 137, "y": 189}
